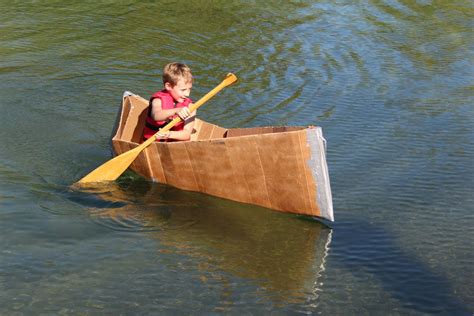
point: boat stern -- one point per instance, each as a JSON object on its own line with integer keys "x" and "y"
{"x": 319, "y": 169}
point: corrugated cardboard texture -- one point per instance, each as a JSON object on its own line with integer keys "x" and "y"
{"x": 269, "y": 166}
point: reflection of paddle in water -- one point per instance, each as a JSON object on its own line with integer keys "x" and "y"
{"x": 280, "y": 253}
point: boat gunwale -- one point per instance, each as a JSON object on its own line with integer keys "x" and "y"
{"x": 115, "y": 138}
{"x": 122, "y": 119}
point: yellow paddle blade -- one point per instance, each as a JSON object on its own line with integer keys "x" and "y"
{"x": 113, "y": 168}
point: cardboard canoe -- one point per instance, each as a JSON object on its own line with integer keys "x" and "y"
{"x": 281, "y": 168}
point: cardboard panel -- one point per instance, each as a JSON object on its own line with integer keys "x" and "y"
{"x": 248, "y": 172}
{"x": 310, "y": 192}
{"x": 132, "y": 119}
{"x": 177, "y": 165}
{"x": 197, "y": 128}
{"x": 301, "y": 154}
{"x": 121, "y": 147}
{"x": 278, "y": 154}
{"x": 116, "y": 147}
{"x": 154, "y": 163}
{"x": 218, "y": 132}
{"x": 127, "y": 123}
{"x": 212, "y": 169}
{"x": 205, "y": 131}
{"x": 140, "y": 106}
{"x": 139, "y": 165}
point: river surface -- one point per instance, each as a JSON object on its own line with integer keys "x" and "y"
{"x": 391, "y": 84}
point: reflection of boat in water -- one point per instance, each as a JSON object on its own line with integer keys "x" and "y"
{"x": 282, "y": 168}
{"x": 282, "y": 254}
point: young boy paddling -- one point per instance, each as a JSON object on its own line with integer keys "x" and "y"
{"x": 171, "y": 102}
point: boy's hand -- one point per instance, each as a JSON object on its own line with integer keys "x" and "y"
{"x": 184, "y": 113}
{"x": 163, "y": 135}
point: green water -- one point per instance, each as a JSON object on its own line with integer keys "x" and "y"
{"x": 390, "y": 82}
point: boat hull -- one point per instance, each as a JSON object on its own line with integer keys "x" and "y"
{"x": 282, "y": 168}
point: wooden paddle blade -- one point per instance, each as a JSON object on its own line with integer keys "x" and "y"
{"x": 113, "y": 168}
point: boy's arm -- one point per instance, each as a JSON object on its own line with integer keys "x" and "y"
{"x": 185, "y": 134}
{"x": 158, "y": 114}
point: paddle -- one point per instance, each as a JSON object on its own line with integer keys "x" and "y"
{"x": 113, "y": 168}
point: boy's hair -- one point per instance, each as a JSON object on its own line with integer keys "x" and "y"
{"x": 175, "y": 71}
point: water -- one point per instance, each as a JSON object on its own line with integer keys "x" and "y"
{"x": 389, "y": 81}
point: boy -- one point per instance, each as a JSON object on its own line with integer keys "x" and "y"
{"x": 171, "y": 102}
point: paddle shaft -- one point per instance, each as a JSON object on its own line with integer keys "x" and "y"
{"x": 113, "y": 168}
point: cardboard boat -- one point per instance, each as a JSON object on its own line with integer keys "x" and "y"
{"x": 281, "y": 168}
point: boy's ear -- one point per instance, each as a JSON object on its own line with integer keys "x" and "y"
{"x": 168, "y": 86}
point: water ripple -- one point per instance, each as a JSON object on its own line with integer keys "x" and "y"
{"x": 389, "y": 81}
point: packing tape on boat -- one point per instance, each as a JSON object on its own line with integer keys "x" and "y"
{"x": 319, "y": 169}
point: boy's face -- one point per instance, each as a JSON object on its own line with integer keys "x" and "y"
{"x": 180, "y": 91}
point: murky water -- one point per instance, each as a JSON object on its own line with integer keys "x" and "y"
{"x": 390, "y": 82}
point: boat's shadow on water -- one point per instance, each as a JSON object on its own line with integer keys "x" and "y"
{"x": 365, "y": 249}
{"x": 282, "y": 255}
